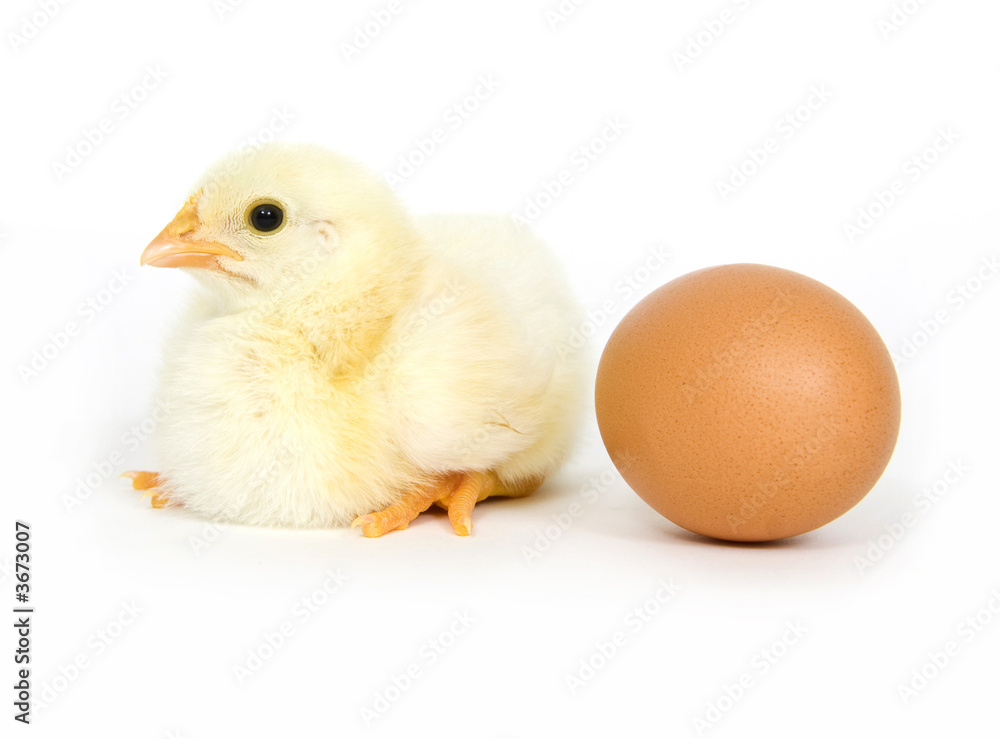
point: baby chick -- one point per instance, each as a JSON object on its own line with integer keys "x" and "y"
{"x": 345, "y": 362}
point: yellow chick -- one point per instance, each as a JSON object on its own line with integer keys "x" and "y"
{"x": 345, "y": 362}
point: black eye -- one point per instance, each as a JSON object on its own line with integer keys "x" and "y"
{"x": 265, "y": 217}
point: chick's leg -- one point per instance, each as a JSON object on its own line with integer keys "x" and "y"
{"x": 149, "y": 483}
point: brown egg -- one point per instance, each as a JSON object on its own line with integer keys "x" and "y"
{"x": 748, "y": 402}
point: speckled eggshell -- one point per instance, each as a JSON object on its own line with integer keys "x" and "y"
{"x": 747, "y": 402}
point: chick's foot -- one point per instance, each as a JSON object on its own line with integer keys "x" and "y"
{"x": 149, "y": 483}
{"x": 457, "y": 493}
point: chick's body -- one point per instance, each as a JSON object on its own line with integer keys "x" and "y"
{"x": 381, "y": 354}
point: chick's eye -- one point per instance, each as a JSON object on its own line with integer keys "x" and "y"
{"x": 265, "y": 217}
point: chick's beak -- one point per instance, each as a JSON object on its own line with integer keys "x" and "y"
{"x": 176, "y": 246}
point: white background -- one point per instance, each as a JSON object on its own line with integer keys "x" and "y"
{"x": 871, "y": 605}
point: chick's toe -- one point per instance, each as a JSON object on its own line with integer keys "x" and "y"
{"x": 397, "y": 516}
{"x": 457, "y": 493}
{"x": 149, "y": 483}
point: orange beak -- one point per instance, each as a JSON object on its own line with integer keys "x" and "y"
{"x": 176, "y": 246}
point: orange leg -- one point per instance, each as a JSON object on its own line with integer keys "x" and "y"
{"x": 457, "y": 493}
{"x": 148, "y": 482}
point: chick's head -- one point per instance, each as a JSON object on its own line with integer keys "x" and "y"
{"x": 272, "y": 218}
